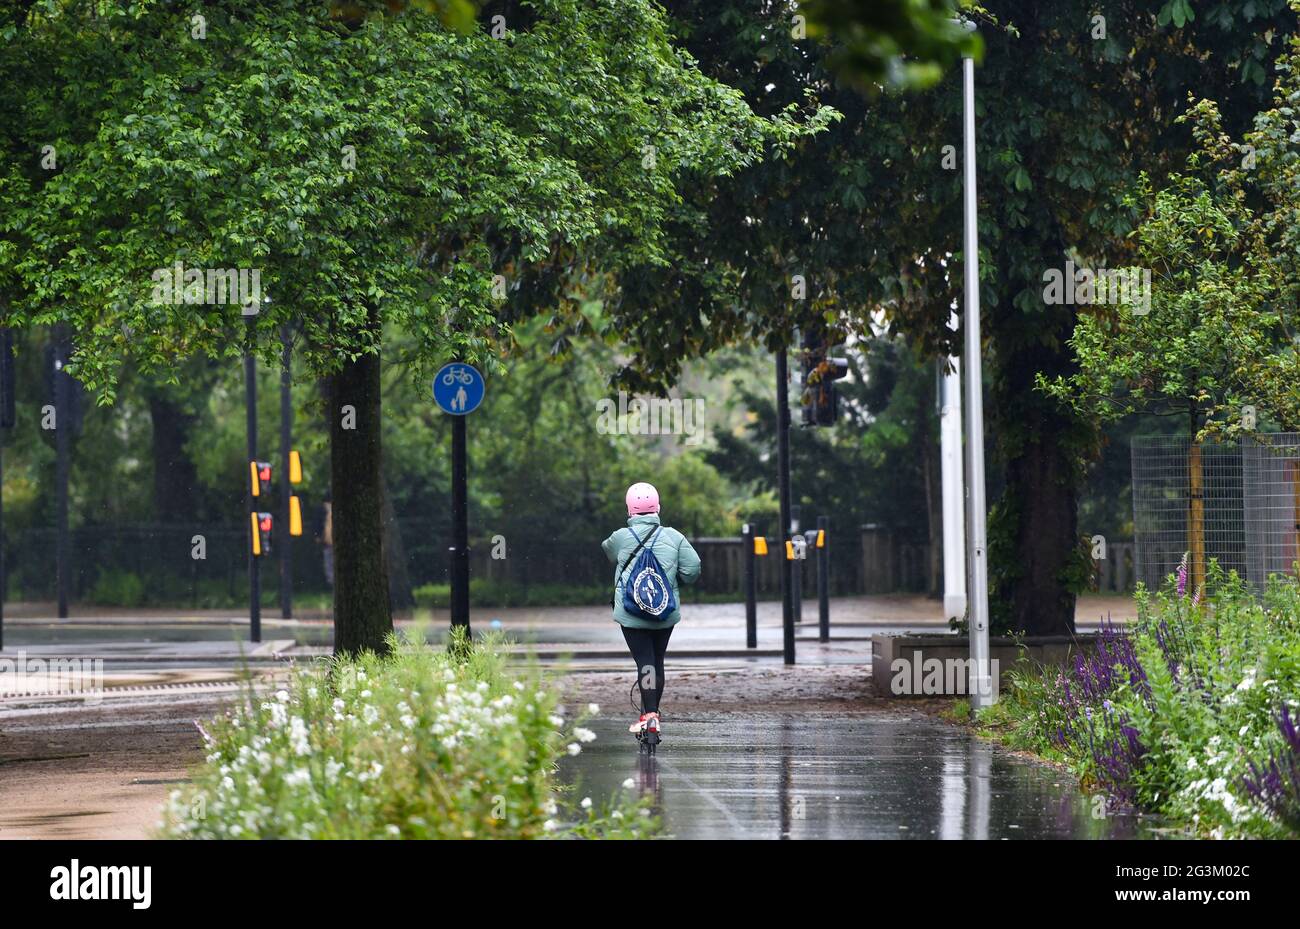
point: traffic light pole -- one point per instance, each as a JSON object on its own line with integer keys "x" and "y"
{"x": 751, "y": 585}
{"x": 62, "y": 456}
{"x": 254, "y": 573}
{"x": 459, "y": 526}
{"x": 796, "y": 569}
{"x": 823, "y": 579}
{"x": 783, "y": 484}
{"x": 286, "y": 489}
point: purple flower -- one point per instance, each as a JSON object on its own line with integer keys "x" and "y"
{"x": 1275, "y": 784}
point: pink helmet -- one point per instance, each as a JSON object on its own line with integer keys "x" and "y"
{"x": 642, "y": 498}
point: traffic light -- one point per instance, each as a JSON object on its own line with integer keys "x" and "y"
{"x": 259, "y": 473}
{"x": 261, "y": 533}
{"x": 295, "y": 468}
{"x": 295, "y": 516}
{"x": 820, "y": 372}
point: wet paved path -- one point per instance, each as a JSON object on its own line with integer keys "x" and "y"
{"x": 824, "y": 776}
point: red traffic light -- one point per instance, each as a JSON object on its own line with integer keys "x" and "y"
{"x": 261, "y": 532}
{"x": 259, "y": 473}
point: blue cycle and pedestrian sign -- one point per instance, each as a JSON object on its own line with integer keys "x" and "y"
{"x": 458, "y": 388}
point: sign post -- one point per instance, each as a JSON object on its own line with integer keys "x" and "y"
{"x": 458, "y": 390}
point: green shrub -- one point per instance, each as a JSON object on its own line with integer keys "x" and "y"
{"x": 424, "y": 743}
{"x": 115, "y": 587}
{"x": 1174, "y": 714}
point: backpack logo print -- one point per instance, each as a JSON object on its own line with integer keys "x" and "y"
{"x": 650, "y": 592}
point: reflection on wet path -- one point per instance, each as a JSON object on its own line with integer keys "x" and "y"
{"x": 839, "y": 777}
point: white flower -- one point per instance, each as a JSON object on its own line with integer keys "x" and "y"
{"x": 593, "y": 708}
{"x": 586, "y": 803}
{"x": 556, "y": 721}
{"x": 1242, "y": 731}
{"x": 393, "y": 830}
{"x": 550, "y": 825}
{"x": 584, "y": 735}
{"x": 338, "y": 705}
{"x": 298, "y": 737}
{"x": 297, "y": 777}
{"x": 628, "y": 784}
{"x": 518, "y": 685}
{"x": 282, "y": 696}
{"x": 279, "y": 716}
{"x": 575, "y": 748}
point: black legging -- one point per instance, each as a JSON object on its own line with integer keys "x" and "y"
{"x": 648, "y": 647}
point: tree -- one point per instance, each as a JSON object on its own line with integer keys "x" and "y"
{"x": 1207, "y": 339}
{"x": 378, "y": 171}
{"x": 868, "y": 216}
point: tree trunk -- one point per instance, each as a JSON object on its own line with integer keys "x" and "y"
{"x": 363, "y": 617}
{"x": 1196, "y": 518}
{"x": 174, "y": 475}
{"x": 399, "y": 583}
{"x": 1034, "y": 531}
{"x": 1046, "y": 538}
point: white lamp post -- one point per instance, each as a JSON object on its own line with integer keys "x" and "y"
{"x": 982, "y": 693}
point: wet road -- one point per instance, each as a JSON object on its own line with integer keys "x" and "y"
{"x": 821, "y": 776}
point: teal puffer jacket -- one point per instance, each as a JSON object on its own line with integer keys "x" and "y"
{"x": 676, "y": 557}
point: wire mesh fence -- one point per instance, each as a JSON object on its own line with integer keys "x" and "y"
{"x": 1271, "y": 478}
{"x": 1237, "y": 504}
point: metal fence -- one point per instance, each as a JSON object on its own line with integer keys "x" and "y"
{"x": 1238, "y": 504}
{"x": 151, "y": 564}
{"x": 1271, "y": 482}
